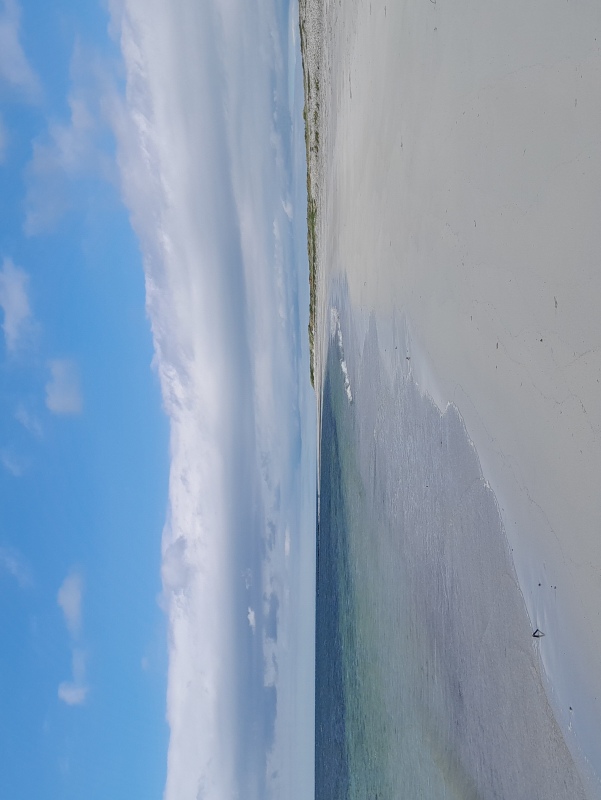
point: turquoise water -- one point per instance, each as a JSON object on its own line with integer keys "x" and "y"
{"x": 428, "y": 680}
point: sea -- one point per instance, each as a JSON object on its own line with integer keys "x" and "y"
{"x": 429, "y": 682}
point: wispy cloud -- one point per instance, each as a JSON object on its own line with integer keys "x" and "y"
{"x": 14, "y": 301}
{"x": 70, "y": 149}
{"x": 3, "y": 141}
{"x": 63, "y": 393}
{"x": 28, "y": 420}
{"x": 15, "y": 69}
{"x": 12, "y": 462}
{"x": 75, "y": 692}
{"x": 13, "y": 564}
{"x": 69, "y": 598}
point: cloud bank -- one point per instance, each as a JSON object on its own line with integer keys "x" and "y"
{"x": 203, "y": 149}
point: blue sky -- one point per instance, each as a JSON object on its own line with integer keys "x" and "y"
{"x": 157, "y": 442}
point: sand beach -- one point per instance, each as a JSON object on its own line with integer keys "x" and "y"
{"x": 457, "y": 181}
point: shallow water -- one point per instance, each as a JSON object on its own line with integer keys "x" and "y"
{"x": 428, "y": 680}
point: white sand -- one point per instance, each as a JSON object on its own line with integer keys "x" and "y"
{"x": 463, "y": 145}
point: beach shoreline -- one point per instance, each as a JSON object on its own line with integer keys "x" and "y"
{"x": 456, "y": 184}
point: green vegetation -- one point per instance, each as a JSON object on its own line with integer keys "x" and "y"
{"x": 311, "y": 118}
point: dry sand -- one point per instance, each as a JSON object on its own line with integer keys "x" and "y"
{"x": 461, "y": 144}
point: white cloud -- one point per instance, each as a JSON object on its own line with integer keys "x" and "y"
{"x": 75, "y": 692}
{"x": 270, "y": 651}
{"x": 15, "y": 69}
{"x": 69, "y": 599}
{"x": 72, "y": 694}
{"x": 187, "y": 285}
{"x": 63, "y": 394}
{"x": 251, "y": 619}
{"x": 14, "y": 301}
{"x": 287, "y": 543}
{"x": 12, "y": 562}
